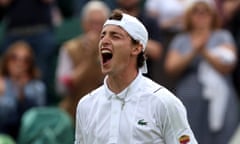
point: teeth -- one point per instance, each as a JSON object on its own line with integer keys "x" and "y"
{"x": 106, "y": 51}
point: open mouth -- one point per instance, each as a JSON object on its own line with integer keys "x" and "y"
{"x": 106, "y": 56}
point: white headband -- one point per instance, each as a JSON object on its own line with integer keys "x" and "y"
{"x": 135, "y": 29}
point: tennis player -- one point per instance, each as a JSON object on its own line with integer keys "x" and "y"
{"x": 129, "y": 108}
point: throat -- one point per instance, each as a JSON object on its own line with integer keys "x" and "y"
{"x": 117, "y": 83}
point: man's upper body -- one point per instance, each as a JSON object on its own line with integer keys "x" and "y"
{"x": 129, "y": 108}
{"x": 144, "y": 112}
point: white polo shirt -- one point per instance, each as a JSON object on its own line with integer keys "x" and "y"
{"x": 143, "y": 113}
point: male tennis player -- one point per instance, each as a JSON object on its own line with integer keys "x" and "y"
{"x": 129, "y": 108}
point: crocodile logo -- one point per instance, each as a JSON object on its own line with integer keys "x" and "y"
{"x": 142, "y": 122}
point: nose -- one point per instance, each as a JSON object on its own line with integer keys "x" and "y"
{"x": 105, "y": 40}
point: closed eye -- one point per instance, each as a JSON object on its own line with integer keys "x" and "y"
{"x": 115, "y": 36}
{"x": 112, "y": 35}
{"x": 102, "y": 35}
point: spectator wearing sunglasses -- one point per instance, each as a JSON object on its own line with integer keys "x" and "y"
{"x": 20, "y": 88}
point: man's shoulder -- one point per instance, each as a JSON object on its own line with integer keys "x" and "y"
{"x": 156, "y": 90}
{"x": 149, "y": 85}
{"x": 161, "y": 95}
{"x": 166, "y": 96}
{"x": 92, "y": 96}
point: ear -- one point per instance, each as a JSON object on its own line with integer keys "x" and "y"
{"x": 136, "y": 49}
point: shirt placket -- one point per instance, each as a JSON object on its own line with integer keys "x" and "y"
{"x": 116, "y": 105}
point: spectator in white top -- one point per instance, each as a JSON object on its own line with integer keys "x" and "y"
{"x": 168, "y": 13}
{"x": 129, "y": 108}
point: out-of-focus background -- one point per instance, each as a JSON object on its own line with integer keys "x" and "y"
{"x": 49, "y": 61}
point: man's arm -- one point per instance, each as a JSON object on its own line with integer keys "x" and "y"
{"x": 173, "y": 120}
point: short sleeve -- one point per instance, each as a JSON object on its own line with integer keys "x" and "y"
{"x": 220, "y": 37}
{"x": 226, "y": 37}
{"x": 173, "y": 119}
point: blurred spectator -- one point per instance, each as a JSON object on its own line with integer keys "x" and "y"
{"x": 203, "y": 58}
{"x": 168, "y": 13}
{"x": 20, "y": 88}
{"x": 169, "y": 16}
{"x": 232, "y": 23}
{"x": 229, "y": 7}
{"x": 79, "y": 4}
{"x": 31, "y": 21}
{"x": 78, "y": 70}
{"x": 219, "y": 6}
{"x": 154, "y": 47}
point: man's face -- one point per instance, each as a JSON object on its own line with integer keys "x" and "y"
{"x": 116, "y": 50}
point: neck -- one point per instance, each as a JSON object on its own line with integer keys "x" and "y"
{"x": 119, "y": 82}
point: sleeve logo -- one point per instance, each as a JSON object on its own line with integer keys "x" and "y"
{"x": 185, "y": 139}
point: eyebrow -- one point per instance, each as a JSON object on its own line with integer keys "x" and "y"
{"x": 113, "y": 33}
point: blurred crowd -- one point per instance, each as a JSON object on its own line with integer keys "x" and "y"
{"x": 49, "y": 58}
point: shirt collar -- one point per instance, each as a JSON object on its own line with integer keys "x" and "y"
{"x": 133, "y": 86}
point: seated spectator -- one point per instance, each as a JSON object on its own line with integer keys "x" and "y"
{"x": 32, "y": 21}
{"x": 79, "y": 4}
{"x": 168, "y": 13}
{"x": 78, "y": 70}
{"x": 203, "y": 58}
{"x": 20, "y": 88}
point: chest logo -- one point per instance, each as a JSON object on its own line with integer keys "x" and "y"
{"x": 185, "y": 139}
{"x": 142, "y": 122}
